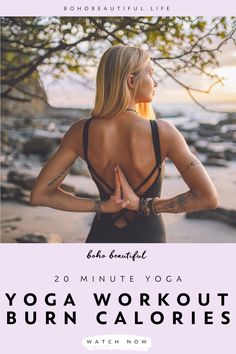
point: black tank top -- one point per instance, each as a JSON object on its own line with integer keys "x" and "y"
{"x": 138, "y": 229}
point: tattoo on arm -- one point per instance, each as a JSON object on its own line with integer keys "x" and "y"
{"x": 193, "y": 163}
{"x": 60, "y": 175}
{"x": 178, "y": 204}
{"x": 181, "y": 203}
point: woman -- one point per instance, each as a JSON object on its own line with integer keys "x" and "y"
{"x": 125, "y": 155}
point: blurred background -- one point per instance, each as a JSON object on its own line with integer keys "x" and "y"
{"x": 48, "y": 73}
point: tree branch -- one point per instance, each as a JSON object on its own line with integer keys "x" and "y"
{"x": 189, "y": 90}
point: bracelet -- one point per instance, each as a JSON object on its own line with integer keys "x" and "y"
{"x": 98, "y": 208}
{"x": 144, "y": 206}
{"x": 147, "y": 207}
{"x": 154, "y": 209}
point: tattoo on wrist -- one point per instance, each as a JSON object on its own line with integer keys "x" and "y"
{"x": 60, "y": 175}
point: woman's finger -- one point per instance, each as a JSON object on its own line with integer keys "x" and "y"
{"x": 121, "y": 174}
{"x": 125, "y": 203}
{"x": 122, "y": 178}
{"x": 116, "y": 199}
{"x": 121, "y": 203}
{"x": 117, "y": 185}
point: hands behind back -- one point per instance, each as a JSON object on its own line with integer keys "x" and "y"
{"x": 123, "y": 197}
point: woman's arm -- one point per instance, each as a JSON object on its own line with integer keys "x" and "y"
{"x": 201, "y": 194}
{"x": 46, "y": 190}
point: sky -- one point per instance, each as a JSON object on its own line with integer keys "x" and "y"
{"x": 68, "y": 92}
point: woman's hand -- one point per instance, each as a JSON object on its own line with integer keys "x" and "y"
{"x": 116, "y": 202}
{"x": 127, "y": 191}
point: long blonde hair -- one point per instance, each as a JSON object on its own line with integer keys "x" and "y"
{"x": 112, "y": 92}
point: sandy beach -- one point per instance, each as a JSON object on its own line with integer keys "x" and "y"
{"x": 70, "y": 227}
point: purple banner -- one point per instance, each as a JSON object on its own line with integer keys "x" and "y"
{"x": 77, "y": 298}
{"x": 118, "y": 8}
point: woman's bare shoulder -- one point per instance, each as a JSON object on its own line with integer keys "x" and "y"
{"x": 168, "y": 134}
{"x": 77, "y": 127}
{"x": 166, "y": 127}
{"x": 167, "y": 131}
{"x": 74, "y": 136}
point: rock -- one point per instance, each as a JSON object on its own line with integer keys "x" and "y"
{"x": 21, "y": 178}
{"x": 26, "y": 109}
{"x": 7, "y": 149}
{"x": 9, "y": 228}
{"x": 205, "y": 147}
{"x": 4, "y": 162}
{"x": 8, "y": 155}
{"x": 201, "y": 146}
{"x": 193, "y": 150}
{"x": 230, "y": 119}
{"x": 228, "y": 131}
{"x": 208, "y": 124}
{"x": 232, "y": 116}
{"x": 216, "y": 155}
{"x": 17, "y": 218}
{"x": 52, "y": 135}
{"x": 177, "y": 121}
{"x": 10, "y": 191}
{"x": 215, "y": 162}
{"x": 79, "y": 168}
{"x": 189, "y": 127}
{"x": 228, "y": 128}
{"x": 27, "y": 165}
{"x": 209, "y": 127}
{"x": 4, "y": 137}
{"x": 219, "y": 214}
{"x": 206, "y": 133}
{"x": 224, "y": 150}
{"x": 24, "y": 197}
{"x": 32, "y": 238}
{"x": 170, "y": 113}
{"x": 231, "y": 153}
{"x": 83, "y": 194}
{"x": 39, "y": 145}
{"x": 63, "y": 128}
{"x": 68, "y": 188}
{"x": 26, "y": 182}
{"x": 215, "y": 139}
{"x": 190, "y": 137}
{"x": 39, "y": 238}
{"x": 51, "y": 127}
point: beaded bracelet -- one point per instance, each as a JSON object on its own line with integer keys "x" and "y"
{"x": 147, "y": 207}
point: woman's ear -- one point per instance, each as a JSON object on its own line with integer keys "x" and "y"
{"x": 130, "y": 81}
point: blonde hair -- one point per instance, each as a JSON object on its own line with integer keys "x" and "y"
{"x": 112, "y": 92}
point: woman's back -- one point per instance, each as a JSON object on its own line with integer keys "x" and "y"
{"x": 126, "y": 141}
{"x": 133, "y": 144}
